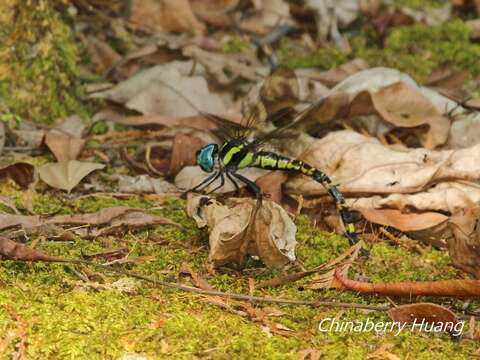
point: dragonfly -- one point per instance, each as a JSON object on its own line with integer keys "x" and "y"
{"x": 240, "y": 151}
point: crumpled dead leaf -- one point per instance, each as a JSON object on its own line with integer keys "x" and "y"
{"x": 66, "y": 175}
{"x": 271, "y": 237}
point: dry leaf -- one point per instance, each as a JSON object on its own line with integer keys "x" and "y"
{"x": 271, "y": 185}
{"x": 374, "y": 79}
{"x": 403, "y": 106}
{"x": 464, "y": 247}
{"x": 21, "y": 172}
{"x": 334, "y": 76}
{"x": 29, "y": 138}
{"x": 362, "y": 165}
{"x": 432, "y": 314}
{"x": 197, "y": 279}
{"x": 412, "y": 190}
{"x": 11, "y": 250}
{"x": 225, "y": 68}
{"x": 272, "y": 236}
{"x": 273, "y": 13}
{"x": 64, "y": 147}
{"x": 65, "y": 140}
{"x": 309, "y": 354}
{"x": 403, "y": 222}
{"x": 130, "y": 221}
{"x": 465, "y": 131}
{"x": 383, "y": 353}
{"x": 153, "y": 121}
{"x": 163, "y": 90}
{"x": 184, "y": 150}
{"x": 67, "y": 174}
{"x": 101, "y": 54}
{"x": 165, "y": 16}
{"x": 214, "y": 12}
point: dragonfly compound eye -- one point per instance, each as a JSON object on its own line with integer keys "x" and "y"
{"x": 206, "y": 157}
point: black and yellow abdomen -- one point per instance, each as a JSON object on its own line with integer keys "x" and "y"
{"x": 273, "y": 161}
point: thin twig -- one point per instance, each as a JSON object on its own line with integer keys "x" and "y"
{"x": 258, "y": 299}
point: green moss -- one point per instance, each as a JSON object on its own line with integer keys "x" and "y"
{"x": 235, "y": 45}
{"x": 293, "y": 56}
{"x": 420, "y": 4}
{"x": 420, "y": 49}
{"x": 66, "y": 318}
{"x": 38, "y": 61}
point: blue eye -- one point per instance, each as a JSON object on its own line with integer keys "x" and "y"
{"x": 206, "y": 157}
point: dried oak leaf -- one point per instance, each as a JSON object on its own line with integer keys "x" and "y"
{"x": 165, "y": 16}
{"x": 66, "y": 175}
{"x": 271, "y": 237}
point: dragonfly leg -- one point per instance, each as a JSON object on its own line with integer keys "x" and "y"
{"x": 251, "y": 185}
{"x": 210, "y": 179}
{"x": 222, "y": 182}
{"x": 237, "y": 188}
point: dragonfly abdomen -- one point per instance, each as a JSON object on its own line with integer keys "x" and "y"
{"x": 272, "y": 161}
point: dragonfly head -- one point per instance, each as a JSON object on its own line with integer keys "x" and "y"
{"x": 207, "y": 156}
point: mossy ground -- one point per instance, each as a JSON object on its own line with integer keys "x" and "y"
{"x": 416, "y": 50}
{"x": 66, "y": 321}
{"x": 38, "y": 55}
